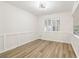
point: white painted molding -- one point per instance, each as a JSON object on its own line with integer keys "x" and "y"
{"x": 75, "y": 50}
{"x": 28, "y": 36}
{"x": 14, "y": 47}
{"x": 32, "y": 35}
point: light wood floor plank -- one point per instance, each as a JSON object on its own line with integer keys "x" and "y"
{"x": 41, "y": 49}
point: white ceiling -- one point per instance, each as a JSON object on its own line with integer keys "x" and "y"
{"x": 51, "y": 6}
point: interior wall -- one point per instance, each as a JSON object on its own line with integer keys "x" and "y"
{"x": 1, "y": 27}
{"x": 17, "y": 26}
{"x": 18, "y": 20}
{"x": 1, "y": 18}
{"x": 76, "y": 20}
{"x": 66, "y": 27}
{"x": 75, "y": 38}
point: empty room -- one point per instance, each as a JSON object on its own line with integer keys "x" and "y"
{"x": 39, "y": 29}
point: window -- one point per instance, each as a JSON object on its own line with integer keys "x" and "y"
{"x": 52, "y": 24}
{"x": 76, "y": 29}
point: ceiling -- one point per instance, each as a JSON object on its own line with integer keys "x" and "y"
{"x": 51, "y": 6}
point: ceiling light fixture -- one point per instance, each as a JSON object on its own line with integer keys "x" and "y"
{"x": 42, "y": 5}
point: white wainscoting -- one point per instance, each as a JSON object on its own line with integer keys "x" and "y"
{"x": 56, "y": 36}
{"x": 1, "y": 42}
{"x": 12, "y": 40}
{"x": 75, "y": 44}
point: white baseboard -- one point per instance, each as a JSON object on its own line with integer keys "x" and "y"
{"x": 62, "y": 41}
{"x": 75, "y": 50}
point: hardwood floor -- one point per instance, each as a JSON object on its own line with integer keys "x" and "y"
{"x": 41, "y": 49}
